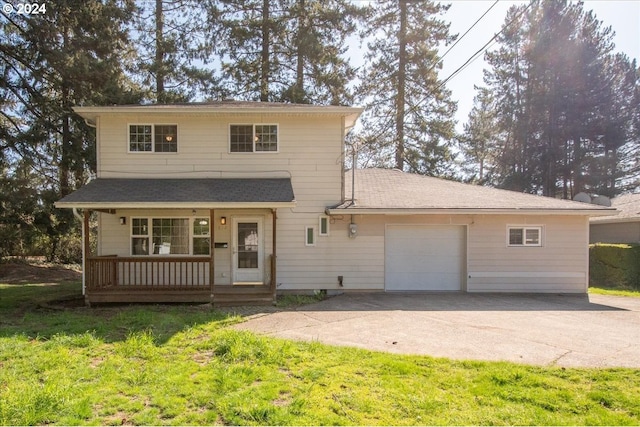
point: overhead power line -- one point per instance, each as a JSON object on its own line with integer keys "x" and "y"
{"x": 467, "y": 32}
{"x": 476, "y": 55}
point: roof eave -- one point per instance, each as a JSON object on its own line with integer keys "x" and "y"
{"x": 174, "y": 205}
{"x": 615, "y": 220}
{"x": 466, "y": 211}
{"x": 351, "y": 114}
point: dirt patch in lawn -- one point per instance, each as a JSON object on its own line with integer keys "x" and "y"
{"x": 21, "y": 273}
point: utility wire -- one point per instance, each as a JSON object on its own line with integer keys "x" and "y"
{"x": 473, "y": 57}
{"x": 485, "y": 47}
{"x": 466, "y": 32}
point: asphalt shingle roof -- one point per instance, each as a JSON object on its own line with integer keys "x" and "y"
{"x": 629, "y": 207}
{"x": 393, "y": 189}
{"x": 236, "y": 190}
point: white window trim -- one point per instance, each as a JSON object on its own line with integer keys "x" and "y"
{"x": 153, "y": 138}
{"x": 306, "y": 236}
{"x": 150, "y": 235}
{"x": 254, "y": 142}
{"x": 326, "y": 218}
{"x": 524, "y": 228}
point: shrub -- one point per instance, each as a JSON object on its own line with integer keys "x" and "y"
{"x": 614, "y": 266}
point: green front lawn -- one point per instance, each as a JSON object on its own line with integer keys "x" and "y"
{"x": 182, "y": 365}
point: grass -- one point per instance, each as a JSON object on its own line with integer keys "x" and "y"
{"x": 618, "y": 292}
{"x": 168, "y": 365}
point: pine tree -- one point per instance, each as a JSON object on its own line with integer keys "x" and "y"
{"x": 408, "y": 112}
{"x": 175, "y": 50}
{"x": 317, "y": 32}
{"x": 564, "y": 102}
{"x": 287, "y": 50}
{"x": 70, "y": 55}
{"x": 479, "y": 141}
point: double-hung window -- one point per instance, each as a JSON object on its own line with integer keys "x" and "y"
{"x": 524, "y": 236}
{"x": 153, "y": 138}
{"x": 170, "y": 236}
{"x": 253, "y": 138}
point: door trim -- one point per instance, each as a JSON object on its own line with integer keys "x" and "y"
{"x": 247, "y": 276}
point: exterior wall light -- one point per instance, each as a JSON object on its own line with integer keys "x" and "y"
{"x": 223, "y": 220}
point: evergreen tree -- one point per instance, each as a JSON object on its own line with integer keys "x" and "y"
{"x": 408, "y": 113}
{"x": 175, "y": 50}
{"x": 317, "y": 32}
{"x": 564, "y": 103}
{"x": 479, "y": 141}
{"x": 287, "y": 50}
{"x": 70, "y": 55}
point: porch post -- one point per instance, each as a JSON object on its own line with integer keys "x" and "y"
{"x": 274, "y": 217}
{"x": 211, "y": 250}
{"x": 86, "y": 250}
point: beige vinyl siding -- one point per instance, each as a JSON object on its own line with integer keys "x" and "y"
{"x": 559, "y": 265}
{"x": 309, "y": 152}
{"x": 360, "y": 260}
{"x": 621, "y": 232}
{"x": 115, "y": 239}
{"x": 489, "y": 265}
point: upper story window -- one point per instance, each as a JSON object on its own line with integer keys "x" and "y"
{"x": 153, "y": 138}
{"x": 253, "y": 138}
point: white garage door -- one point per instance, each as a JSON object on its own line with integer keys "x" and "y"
{"x": 424, "y": 257}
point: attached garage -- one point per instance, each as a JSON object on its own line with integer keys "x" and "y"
{"x": 417, "y": 233}
{"x": 424, "y": 257}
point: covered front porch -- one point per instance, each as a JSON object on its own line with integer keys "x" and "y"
{"x": 166, "y": 279}
{"x": 206, "y": 251}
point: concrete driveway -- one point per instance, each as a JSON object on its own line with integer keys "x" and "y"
{"x": 593, "y": 331}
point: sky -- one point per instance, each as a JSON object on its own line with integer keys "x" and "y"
{"x": 622, "y": 15}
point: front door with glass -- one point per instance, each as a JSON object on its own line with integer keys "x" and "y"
{"x": 247, "y": 251}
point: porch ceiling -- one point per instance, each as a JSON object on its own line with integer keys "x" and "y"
{"x": 182, "y": 193}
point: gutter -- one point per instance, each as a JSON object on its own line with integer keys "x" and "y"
{"x": 173, "y": 205}
{"x": 467, "y": 211}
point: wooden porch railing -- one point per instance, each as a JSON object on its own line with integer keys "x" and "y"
{"x": 154, "y": 272}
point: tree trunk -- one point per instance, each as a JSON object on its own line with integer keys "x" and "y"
{"x": 160, "y": 73}
{"x": 302, "y": 34}
{"x": 264, "y": 73}
{"x": 400, "y": 101}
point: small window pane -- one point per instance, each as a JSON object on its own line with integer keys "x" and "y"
{"x": 515, "y": 236}
{"x": 324, "y": 226}
{"x": 532, "y": 236}
{"x": 309, "y": 236}
{"x": 201, "y": 227}
{"x": 140, "y": 245}
{"x": 171, "y": 236}
{"x": 140, "y": 138}
{"x": 166, "y": 138}
{"x": 266, "y": 138}
{"x": 241, "y": 138}
{"x": 139, "y": 227}
{"x": 201, "y": 245}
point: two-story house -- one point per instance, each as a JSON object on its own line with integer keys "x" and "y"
{"x": 232, "y": 202}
